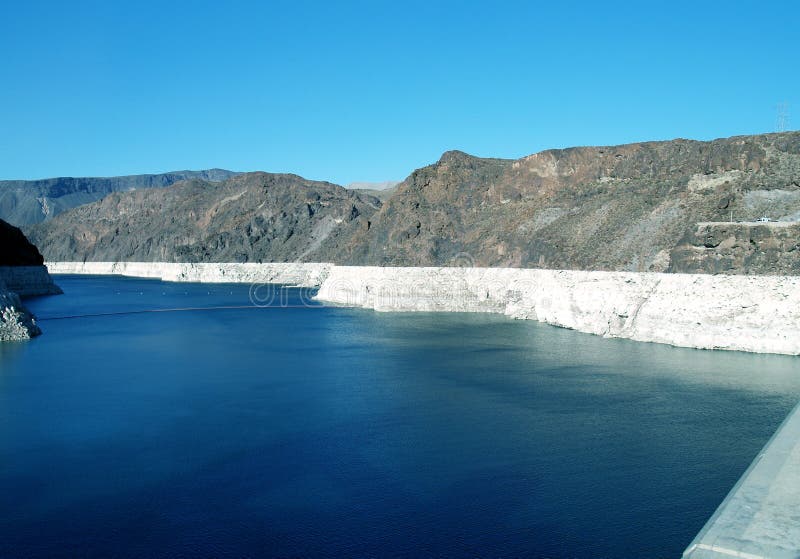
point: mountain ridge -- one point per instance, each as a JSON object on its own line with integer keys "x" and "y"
{"x": 25, "y": 202}
{"x": 606, "y": 208}
{"x": 624, "y": 207}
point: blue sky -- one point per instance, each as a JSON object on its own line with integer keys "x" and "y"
{"x": 369, "y": 91}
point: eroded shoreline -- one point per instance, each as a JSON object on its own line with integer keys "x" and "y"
{"x": 744, "y": 313}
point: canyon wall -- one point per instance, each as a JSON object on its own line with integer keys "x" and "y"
{"x": 745, "y": 313}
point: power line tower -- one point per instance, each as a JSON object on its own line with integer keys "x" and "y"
{"x": 782, "y": 117}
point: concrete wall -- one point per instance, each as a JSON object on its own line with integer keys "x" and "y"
{"x": 760, "y": 518}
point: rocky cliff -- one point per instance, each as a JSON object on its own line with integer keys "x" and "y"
{"x": 21, "y": 275}
{"x": 253, "y": 217}
{"x": 28, "y": 202}
{"x": 623, "y": 208}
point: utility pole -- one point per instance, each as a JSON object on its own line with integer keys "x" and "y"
{"x": 782, "y": 117}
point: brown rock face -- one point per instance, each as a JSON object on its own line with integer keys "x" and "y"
{"x": 601, "y": 208}
{"x": 726, "y": 248}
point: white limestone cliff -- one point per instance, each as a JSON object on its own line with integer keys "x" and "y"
{"x": 745, "y": 313}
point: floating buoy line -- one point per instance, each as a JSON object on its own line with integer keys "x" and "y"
{"x": 179, "y": 309}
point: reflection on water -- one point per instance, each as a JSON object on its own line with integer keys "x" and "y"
{"x": 331, "y": 432}
{"x": 9, "y": 352}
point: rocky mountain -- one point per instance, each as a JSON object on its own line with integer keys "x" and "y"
{"x": 595, "y": 208}
{"x": 28, "y": 202}
{"x": 252, "y": 217}
{"x": 627, "y": 207}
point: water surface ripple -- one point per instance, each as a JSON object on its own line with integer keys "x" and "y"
{"x": 332, "y": 432}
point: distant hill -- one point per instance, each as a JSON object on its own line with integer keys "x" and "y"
{"x": 252, "y": 217}
{"x": 634, "y": 207}
{"x": 385, "y": 185}
{"x": 381, "y": 190}
{"x": 27, "y": 202}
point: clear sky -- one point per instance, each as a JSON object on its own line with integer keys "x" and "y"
{"x": 369, "y": 91}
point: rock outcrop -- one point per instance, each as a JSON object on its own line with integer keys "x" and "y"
{"x": 16, "y": 322}
{"x": 731, "y": 248}
{"x": 34, "y": 201}
{"x": 21, "y": 275}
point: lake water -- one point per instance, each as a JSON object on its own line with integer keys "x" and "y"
{"x": 330, "y": 432}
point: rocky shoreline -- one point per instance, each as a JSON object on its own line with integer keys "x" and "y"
{"x": 17, "y": 282}
{"x": 742, "y": 313}
{"x": 16, "y": 322}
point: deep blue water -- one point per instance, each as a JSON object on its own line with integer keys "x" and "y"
{"x": 302, "y": 432}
